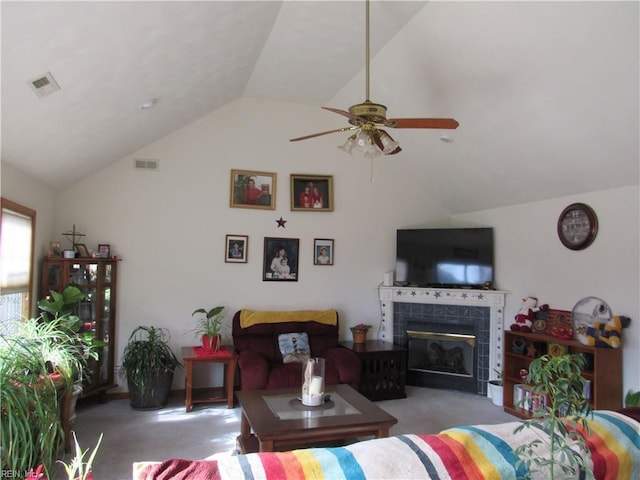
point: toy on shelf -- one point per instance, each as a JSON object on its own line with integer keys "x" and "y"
{"x": 595, "y": 325}
{"x": 603, "y": 334}
{"x": 527, "y": 314}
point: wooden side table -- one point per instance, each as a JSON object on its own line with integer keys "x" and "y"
{"x": 208, "y": 394}
{"x": 384, "y": 369}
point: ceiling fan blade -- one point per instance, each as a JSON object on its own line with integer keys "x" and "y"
{"x": 343, "y": 129}
{"x": 444, "y": 123}
{"x": 344, "y": 113}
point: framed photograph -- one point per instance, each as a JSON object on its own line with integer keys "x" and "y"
{"x": 104, "y": 250}
{"x": 253, "y": 189}
{"x": 280, "y": 259}
{"x": 81, "y": 250}
{"x": 312, "y": 193}
{"x": 55, "y": 250}
{"x": 237, "y": 248}
{"x": 323, "y": 251}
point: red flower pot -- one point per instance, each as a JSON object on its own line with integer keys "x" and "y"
{"x": 211, "y": 342}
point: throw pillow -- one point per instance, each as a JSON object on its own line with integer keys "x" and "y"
{"x": 294, "y": 347}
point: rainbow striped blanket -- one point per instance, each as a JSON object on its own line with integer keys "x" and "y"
{"x": 470, "y": 452}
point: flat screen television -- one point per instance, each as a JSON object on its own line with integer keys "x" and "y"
{"x": 444, "y": 257}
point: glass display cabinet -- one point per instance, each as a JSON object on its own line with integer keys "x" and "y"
{"x": 97, "y": 277}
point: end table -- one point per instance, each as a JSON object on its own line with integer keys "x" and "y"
{"x": 210, "y": 394}
{"x": 384, "y": 369}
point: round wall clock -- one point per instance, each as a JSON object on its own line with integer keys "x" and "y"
{"x": 577, "y": 226}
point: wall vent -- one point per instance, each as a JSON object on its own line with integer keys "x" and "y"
{"x": 146, "y": 164}
{"x": 44, "y": 85}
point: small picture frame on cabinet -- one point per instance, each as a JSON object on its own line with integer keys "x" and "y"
{"x": 104, "y": 250}
{"x": 81, "y": 250}
{"x": 55, "y": 250}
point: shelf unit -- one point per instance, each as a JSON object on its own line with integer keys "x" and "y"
{"x": 97, "y": 278}
{"x": 604, "y": 370}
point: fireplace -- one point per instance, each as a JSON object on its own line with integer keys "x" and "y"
{"x": 453, "y": 337}
{"x": 446, "y": 354}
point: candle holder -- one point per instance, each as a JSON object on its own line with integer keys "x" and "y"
{"x": 313, "y": 382}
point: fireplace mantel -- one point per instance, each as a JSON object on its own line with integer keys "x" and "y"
{"x": 492, "y": 299}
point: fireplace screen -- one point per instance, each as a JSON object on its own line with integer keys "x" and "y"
{"x": 441, "y": 353}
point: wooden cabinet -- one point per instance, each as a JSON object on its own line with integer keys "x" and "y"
{"x": 384, "y": 369}
{"x": 97, "y": 278}
{"x": 603, "y": 370}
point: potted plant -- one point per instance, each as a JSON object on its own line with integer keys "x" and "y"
{"x": 560, "y": 382}
{"x": 148, "y": 365}
{"x": 209, "y": 327}
{"x": 495, "y": 388}
{"x": 360, "y": 332}
{"x": 38, "y": 364}
{"x": 632, "y": 399}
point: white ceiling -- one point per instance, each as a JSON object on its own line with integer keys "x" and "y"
{"x": 546, "y": 93}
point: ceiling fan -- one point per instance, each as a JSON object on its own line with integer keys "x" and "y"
{"x": 367, "y": 118}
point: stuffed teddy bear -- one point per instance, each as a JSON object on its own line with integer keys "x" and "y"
{"x": 527, "y": 314}
{"x": 603, "y": 334}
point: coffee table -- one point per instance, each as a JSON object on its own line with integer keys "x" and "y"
{"x": 275, "y": 420}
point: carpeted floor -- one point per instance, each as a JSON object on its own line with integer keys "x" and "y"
{"x": 131, "y": 435}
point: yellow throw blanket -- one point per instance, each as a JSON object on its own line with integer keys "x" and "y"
{"x": 255, "y": 317}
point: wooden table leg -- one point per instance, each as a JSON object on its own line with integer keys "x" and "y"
{"x": 266, "y": 445}
{"x": 230, "y": 377}
{"x": 188, "y": 384}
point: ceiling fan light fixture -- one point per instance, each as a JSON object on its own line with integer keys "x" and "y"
{"x": 348, "y": 145}
{"x": 389, "y": 145}
{"x": 363, "y": 139}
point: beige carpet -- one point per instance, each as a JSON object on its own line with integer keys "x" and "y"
{"x": 131, "y": 435}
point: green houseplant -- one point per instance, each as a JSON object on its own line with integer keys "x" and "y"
{"x": 38, "y": 364}
{"x": 560, "y": 382}
{"x": 148, "y": 365}
{"x": 632, "y": 399}
{"x": 209, "y": 326}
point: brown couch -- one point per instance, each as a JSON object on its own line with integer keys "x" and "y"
{"x": 260, "y": 361}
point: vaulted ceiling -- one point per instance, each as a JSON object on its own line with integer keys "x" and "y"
{"x": 546, "y": 93}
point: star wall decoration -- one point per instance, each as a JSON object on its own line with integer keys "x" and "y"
{"x": 281, "y": 222}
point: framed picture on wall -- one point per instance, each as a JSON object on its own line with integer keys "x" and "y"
{"x": 312, "y": 193}
{"x": 237, "y": 248}
{"x": 280, "y": 259}
{"x": 250, "y": 189}
{"x": 323, "y": 251}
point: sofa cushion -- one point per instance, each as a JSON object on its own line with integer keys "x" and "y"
{"x": 294, "y": 347}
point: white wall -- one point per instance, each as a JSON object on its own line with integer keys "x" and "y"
{"x": 22, "y": 189}
{"x": 530, "y": 260}
{"x": 169, "y": 226}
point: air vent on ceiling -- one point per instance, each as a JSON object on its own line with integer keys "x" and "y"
{"x": 145, "y": 164}
{"x": 44, "y": 85}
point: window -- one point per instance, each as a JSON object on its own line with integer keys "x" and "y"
{"x": 17, "y": 234}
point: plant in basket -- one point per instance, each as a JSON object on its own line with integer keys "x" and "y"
{"x": 209, "y": 327}
{"x": 148, "y": 363}
{"x": 359, "y": 332}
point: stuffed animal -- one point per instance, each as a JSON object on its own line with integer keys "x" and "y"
{"x": 527, "y": 314}
{"x": 603, "y": 334}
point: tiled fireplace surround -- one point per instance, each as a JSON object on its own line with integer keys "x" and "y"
{"x": 401, "y": 305}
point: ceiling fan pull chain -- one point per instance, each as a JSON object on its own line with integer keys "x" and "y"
{"x": 371, "y": 169}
